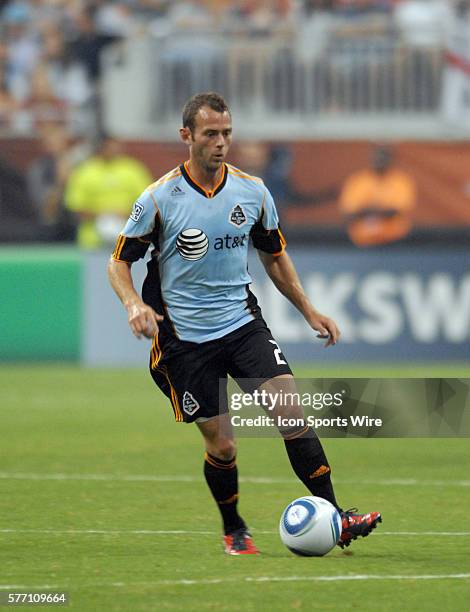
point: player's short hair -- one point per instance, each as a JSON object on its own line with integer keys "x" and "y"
{"x": 209, "y": 98}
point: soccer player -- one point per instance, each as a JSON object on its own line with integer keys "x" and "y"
{"x": 204, "y": 320}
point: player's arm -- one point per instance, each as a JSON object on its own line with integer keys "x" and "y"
{"x": 268, "y": 240}
{"x": 143, "y": 320}
{"x": 282, "y": 272}
{"x": 132, "y": 244}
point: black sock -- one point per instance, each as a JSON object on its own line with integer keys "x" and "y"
{"x": 309, "y": 462}
{"x": 222, "y": 478}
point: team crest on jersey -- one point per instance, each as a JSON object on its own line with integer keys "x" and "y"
{"x": 190, "y": 405}
{"x": 192, "y": 244}
{"x": 237, "y": 216}
{"x": 137, "y": 211}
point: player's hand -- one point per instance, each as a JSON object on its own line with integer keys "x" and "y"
{"x": 143, "y": 320}
{"x": 326, "y": 327}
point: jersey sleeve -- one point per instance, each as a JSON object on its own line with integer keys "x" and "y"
{"x": 140, "y": 231}
{"x": 266, "y": 232}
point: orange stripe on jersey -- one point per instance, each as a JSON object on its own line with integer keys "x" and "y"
{"x": 283, "y": 244}
{"x": 222, "y": 177}
{"x": 237, "y": 172}
{"x": 246, "y": 177}
{"x": 210, "y": 193}
{"x": 165, "y": 178}
{"x": 194, "y": 181}
{"x": 118, "y": 248}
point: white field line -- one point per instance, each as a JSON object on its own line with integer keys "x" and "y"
{"x": 247, "y": 479}
{"x": 247, "y": 579}
{"x": 167, "y": 532}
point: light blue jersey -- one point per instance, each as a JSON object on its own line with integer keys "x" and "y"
{"x": 198, "y": 276}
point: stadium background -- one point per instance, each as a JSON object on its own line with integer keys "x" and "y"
{"x": 314, "y": 87}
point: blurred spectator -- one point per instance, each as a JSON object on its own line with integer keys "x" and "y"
{"x": 191, "y": 16}
{"x": 314, "y": 29}
{"x": 423, "y": 26}
{"x": 47, "y": 177}
{"x": 41, "y": 106}
{"x": 115, "y": 19}
{"x": 8, "y": 104}
{"x": 273, "y": 163}
{"x": 23, "y": 48}
{"x": 69, "y": 80}
{"x": 357, "y": 8}
{"x": 377, "y": 202}
{"x": 68, "y": 77}
{"x": 101, "y": 192}
{"x": 423, "y": 23}
{"x": 16, "y": 210}
{"x": 88, "y": 42}
{"x": 265, "y": 16}
{"x": 150, "y": 8}
{"x": 455, "y": 79}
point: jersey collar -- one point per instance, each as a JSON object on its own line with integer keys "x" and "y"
{"x": 195, "y": 185}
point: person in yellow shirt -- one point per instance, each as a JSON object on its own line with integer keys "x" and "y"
{"x": 377, "y": 203}
{"x": 101, "y": 191}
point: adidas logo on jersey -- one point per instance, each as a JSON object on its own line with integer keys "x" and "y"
{"x": 190, "y": 405}
{"x": 237, "y": 216}
{"x": 176, "y": 191}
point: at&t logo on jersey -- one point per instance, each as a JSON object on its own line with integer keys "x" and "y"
{"x": 237, "y": 216}
{"x": 192, "y": 244}
{"x": 230, "y": 242}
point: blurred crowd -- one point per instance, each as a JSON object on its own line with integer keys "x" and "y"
{"x": 51, "y": 64}
{"x": 51, "y": 50}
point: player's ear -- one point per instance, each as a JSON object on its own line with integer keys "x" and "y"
{"x": 186, "y": 135}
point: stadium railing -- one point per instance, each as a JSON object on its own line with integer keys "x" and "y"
{"x": 373, "y": 87}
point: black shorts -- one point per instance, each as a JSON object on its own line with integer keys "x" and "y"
{"x": 189, "y": 373}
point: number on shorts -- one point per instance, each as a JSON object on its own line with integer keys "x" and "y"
{"x": 278, "y": 353}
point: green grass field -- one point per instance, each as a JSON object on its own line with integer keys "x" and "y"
{"x": 102, "y": 496}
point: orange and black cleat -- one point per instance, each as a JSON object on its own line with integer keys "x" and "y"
{"x": 240, "y": 542}
{"x": 355, "y": 525}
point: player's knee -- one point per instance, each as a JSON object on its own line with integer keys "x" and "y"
{"x": 225, "y": 449}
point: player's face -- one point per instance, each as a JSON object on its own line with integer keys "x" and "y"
{"x": 211, "y": 138}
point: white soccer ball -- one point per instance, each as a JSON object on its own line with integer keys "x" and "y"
{"x": 310, "y": 526}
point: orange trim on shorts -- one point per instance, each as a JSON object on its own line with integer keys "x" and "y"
{"x": 156, "y": 354}
{"x": 174, "y": 397}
